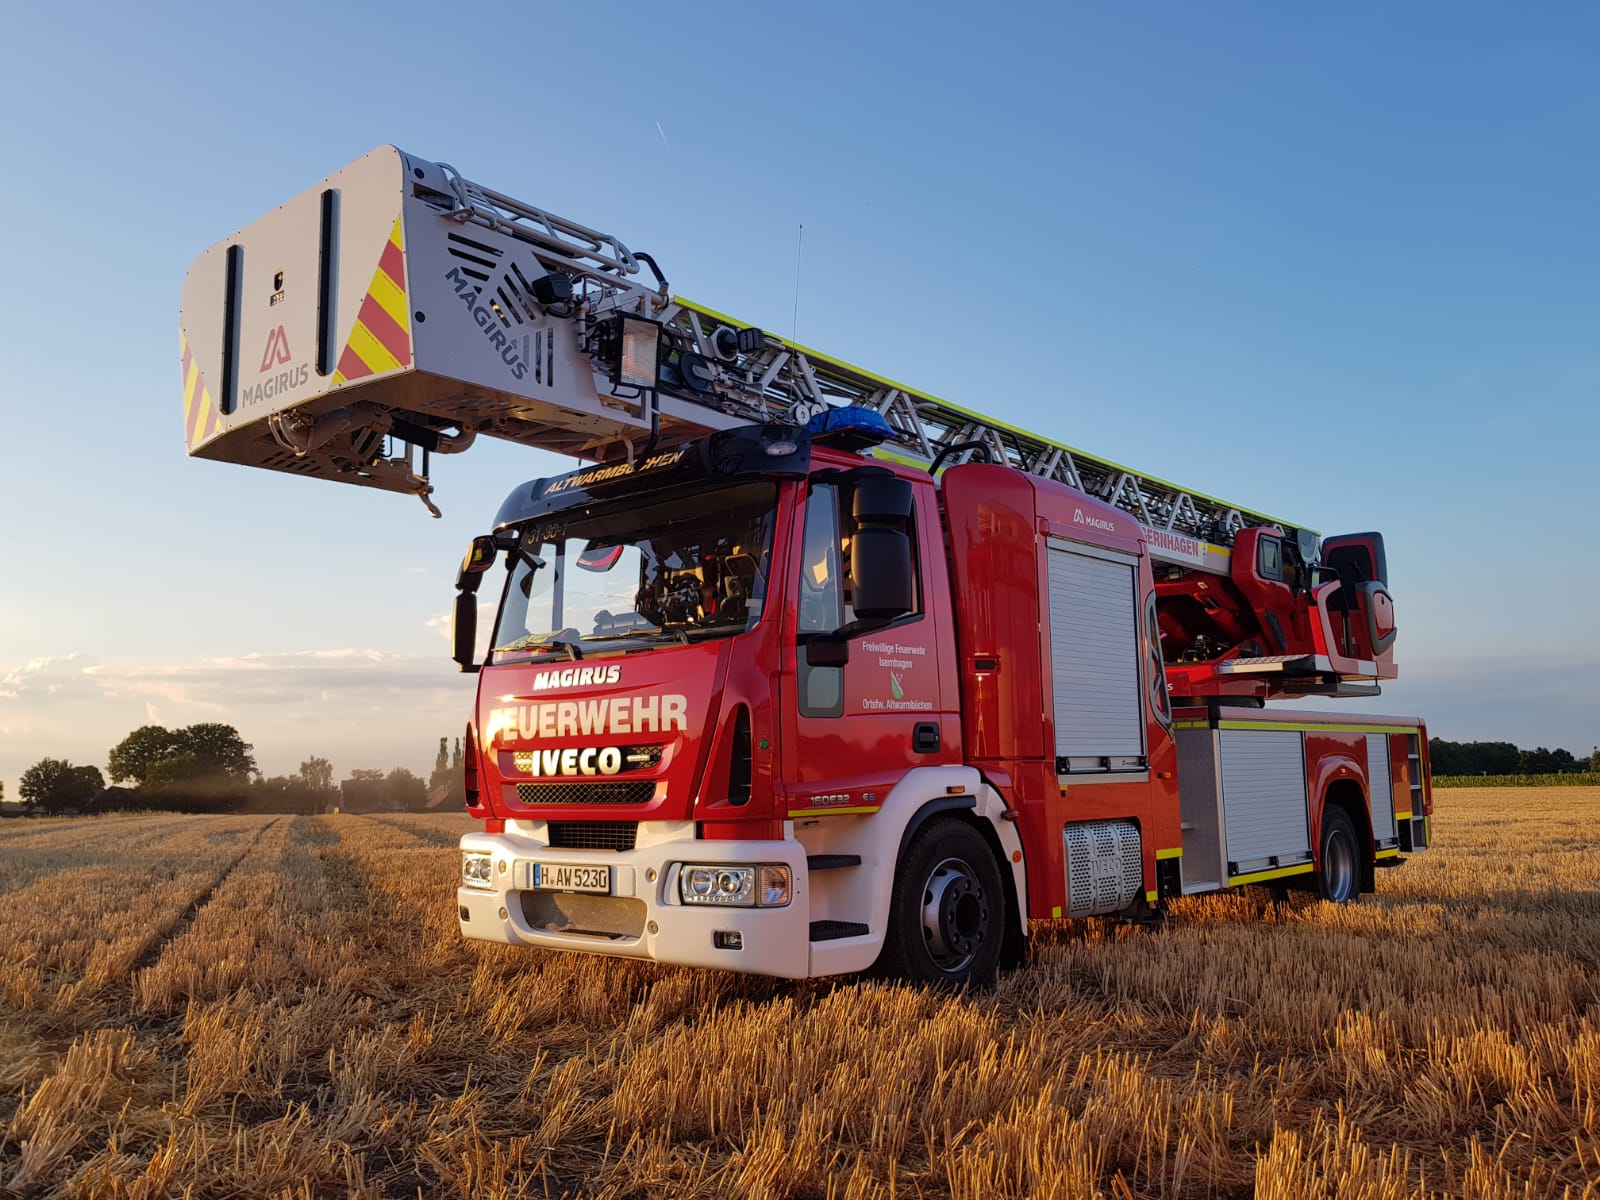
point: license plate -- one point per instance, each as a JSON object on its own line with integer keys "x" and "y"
{"x": 564, "y": 877}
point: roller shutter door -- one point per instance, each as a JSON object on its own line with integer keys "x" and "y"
{"x": 1264, "y": 796}
{"x": 1094, "y": 661}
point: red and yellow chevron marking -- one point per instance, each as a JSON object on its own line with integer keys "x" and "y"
{"x": 381, "y": 339}
{"x": 201, "y": 420}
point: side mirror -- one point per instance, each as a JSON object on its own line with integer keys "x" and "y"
{"x": 464, "y": 631}
{"x": 881, "y": 497}
{"x": 880, "y": 552}
{"x": 464, "y": 627}
{"x": 826, "y": 651}
{"x": 880, "y": 566}
{"x": 480, "y": 557}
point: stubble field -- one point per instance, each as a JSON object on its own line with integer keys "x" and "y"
{"x": 263, "y": 1007}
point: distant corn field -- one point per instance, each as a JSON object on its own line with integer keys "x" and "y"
{"x": 266, "y": 1007}
{"x": 1567, "y": 779}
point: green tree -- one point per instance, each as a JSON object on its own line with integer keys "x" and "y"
{"x": 1535, "y": 762}
{"x": 221, "y": 748}
{"x": 55, "y": 785}
{"x": 175, "y": 768}
{"x": 135, "y": 755}
{"x": 362, "y": 791}
{"x": 404, "y": 792}
{"x": 448, "y": 772}
{"x": 155, "y": 754}
{"x": 1474, "y": 758}
{"x": 317, "y": 774}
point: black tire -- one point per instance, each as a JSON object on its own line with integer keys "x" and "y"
{"x": 947, "y": 917}
{"x": 1339, "y": 864}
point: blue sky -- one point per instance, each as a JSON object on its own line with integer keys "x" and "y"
{"x": 1338, "y": 265}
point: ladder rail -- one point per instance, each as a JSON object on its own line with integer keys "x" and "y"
{"x": 769, "y": 383}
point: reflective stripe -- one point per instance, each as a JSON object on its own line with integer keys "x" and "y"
{"x": 381, "y": 337}
{"x": 1261, "y": 876}
{"x": 1312, "y": 728}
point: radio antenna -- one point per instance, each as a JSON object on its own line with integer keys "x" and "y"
{"x": 799, "y": 243}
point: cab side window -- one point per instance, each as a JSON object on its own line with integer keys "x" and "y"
{"x": 821, "y": 570}
{"x": 825, "y": 599}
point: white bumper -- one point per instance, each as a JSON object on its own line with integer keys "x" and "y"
{"x": 643, "y": 916}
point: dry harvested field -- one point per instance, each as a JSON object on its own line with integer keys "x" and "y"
{"x": 259, "y": 1006}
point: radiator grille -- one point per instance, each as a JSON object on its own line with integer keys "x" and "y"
{"x": 599, "y": 792}
{"x": 593, "y": 835}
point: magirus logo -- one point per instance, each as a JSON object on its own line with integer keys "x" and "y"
{"x": 576, "y": 677}
{"x": 513, "y": 354}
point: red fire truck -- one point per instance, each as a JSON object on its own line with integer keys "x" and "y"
{"x": 809, "y": 670}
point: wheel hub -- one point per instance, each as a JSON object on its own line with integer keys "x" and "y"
{"x": 955, "y": 914}
{"x": 1340, "y": 867}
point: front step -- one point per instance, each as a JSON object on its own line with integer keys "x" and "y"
{"x": 828, "y": 931}
{"x": 831, "y": 862}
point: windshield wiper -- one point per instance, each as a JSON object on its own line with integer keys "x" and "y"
{"x": 540, "y": 641}
{"x": 653, "y": 634}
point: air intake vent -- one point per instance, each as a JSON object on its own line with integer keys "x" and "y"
{"x": 608, "y": 792}
{"x": 480, "y": 258}
{"x": 593, "y": 835}
{"x": 1105, "y": 867}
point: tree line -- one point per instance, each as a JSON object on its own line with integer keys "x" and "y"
{"x": 209, "y": 767}
{"x": 1505, "y": 758}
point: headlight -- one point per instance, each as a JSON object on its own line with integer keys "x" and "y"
{"x": 766, "y": 886}
{"x": 772, "y": 885}
{"x": 477, "y": 869}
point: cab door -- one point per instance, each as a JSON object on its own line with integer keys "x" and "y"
{"x": 856, "y": 728}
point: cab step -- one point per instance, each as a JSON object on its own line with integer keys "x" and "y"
{"x": 831, "y": 862}
{"x": 827, "y": 931}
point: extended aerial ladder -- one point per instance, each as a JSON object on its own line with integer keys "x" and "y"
{"x": 398, "y": 310}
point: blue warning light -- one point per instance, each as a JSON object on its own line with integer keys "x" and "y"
{"x": 852, "y": 426}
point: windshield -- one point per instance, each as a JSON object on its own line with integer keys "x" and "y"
{"x": 615, "y": 578}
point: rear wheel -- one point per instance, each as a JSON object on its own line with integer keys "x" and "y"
{"x": 947, "y": 917}
{"x": 1339, "y": 878}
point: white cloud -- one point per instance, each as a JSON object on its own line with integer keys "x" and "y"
{"x": 358, "y": 707}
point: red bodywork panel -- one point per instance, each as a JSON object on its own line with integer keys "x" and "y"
{"x": 998, "y": 520}
{"x": 897, "y": 677}
{"x": 974, "y": 664}
{"x": 688, "y": 700}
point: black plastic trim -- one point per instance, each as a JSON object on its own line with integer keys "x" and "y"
{"x": 328, "y": 282}
{"x": 828, "y": 931}
{"x": 831, "y": 862}
{"x": 233, "y": 282}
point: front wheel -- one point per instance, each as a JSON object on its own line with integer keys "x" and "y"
{"x": 1339, "y": 878}
{"x": 947, "y": 917}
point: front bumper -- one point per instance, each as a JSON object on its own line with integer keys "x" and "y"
{"x": 642, "y": 917}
